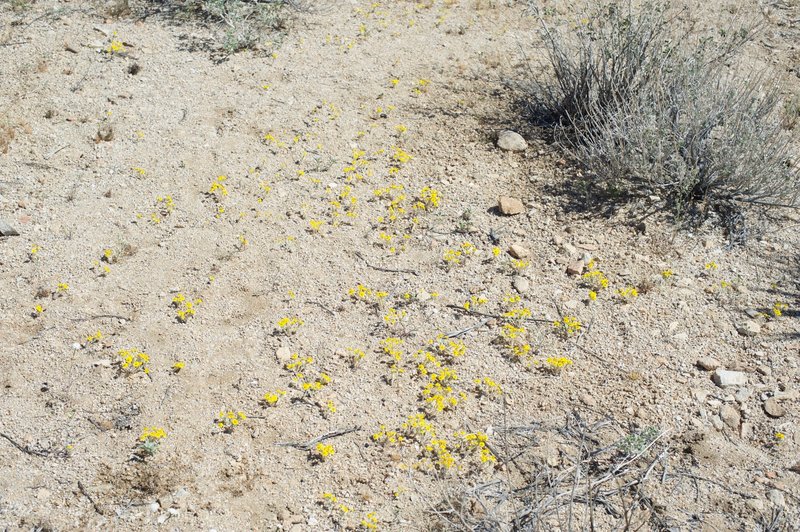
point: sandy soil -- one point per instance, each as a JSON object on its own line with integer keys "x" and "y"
{"x": 360, "y": 151}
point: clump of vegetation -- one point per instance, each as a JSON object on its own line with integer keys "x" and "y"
{"x": 651, "y": 108}
{"x": 242, "y": 24}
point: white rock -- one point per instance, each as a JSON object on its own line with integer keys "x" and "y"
{"x": 776, "y": 497}
{"x": 283, "y": 354}
{"x": 748, "y": 328}
{"x": 518, "y": 252}
{"x": 511, "y": 141}
{"x": 730, "y": 416}
{"x": 708, "y": 363}
{"x": 724, "y": 378}
{"x": 521, "y": 284}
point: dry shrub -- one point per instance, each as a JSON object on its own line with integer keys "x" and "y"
{"x": 650, "y": 108}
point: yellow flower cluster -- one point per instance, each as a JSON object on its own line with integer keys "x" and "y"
{"x": 450, "y": 349}
{"x": 567, "y": 326}
{"x": 477, "y": 441}
{"x": 366, "y": 294}
{"x": 439, "y": 392}
{"x": 185, "y": 308}
{"x": 474, "y": 301}
{"x": 289, "y": 324}
{"x": 427, "y": 199}
{"x": 556, "y": 364}
{"x": 513, "y": 339}
{"x": 392, "y": 346}
{"x": 272, "y": 398}
{"x": 358, "y": 167}
{"x": 134, "y": 360}
{"x": 394, "y": 317}
{"x": 487, "y": 387}
{"x": 94, "y": 338}
{"x": 323, "y": 451}
{"x": 152, "y": 434}
{"x": 628, "y": 293}
{"x": 344, "y": 203}
{"x": 229, "y": 420}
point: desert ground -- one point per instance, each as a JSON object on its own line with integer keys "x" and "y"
{"x": 302, "y": 286}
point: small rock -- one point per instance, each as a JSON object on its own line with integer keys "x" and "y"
{"x": 163, "y": 518}
{"x": 284, "y": 515}
{"x": 708, "y": 363}
{"x": 730, "y": 416}
{"x": 764, "y": 370}
{"x": 717, "y": 423}
{"x": 746, "y": 431}
{"x": 571, "y": 304}
{"x": 558, "y": 240}
{"x": 518, "y": 252}
{"x": 521, "y": 284}
{"x": 76, "y": 346}
{"x": 748, "y": 328}
{"x": 154, "y": 507}
{"x": 569, "y": 249}
{"x": 510, "y": 206}
{"x": 724, "y": 378}
{"x": 588, "y": 400}
{"x": 283, "y": 354}
{"x": 755, "y": 504}
{"x": 511, "y": 141}
{"x": 776, "y": 497}
{"x": 105, "y": 363}
{"x": 700, "y": 395}
{"x": 742, "y": 395}
{"x": 773, "y": 409}
{"x": 575, "y": 268}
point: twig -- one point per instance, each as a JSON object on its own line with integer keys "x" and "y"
{"x": 96, "y": 316}
{"x": 720, "y": 484}
{"x": 382, "y": 269}
{"x": 320, "y": 305}
{"x": 495, "y": 316}
{"x": 85, "y": 493}
{"x": 307, "y": 446}
{"x": 456, "y": 334}
{"x": 46, "y": 157}
{"x": 25, "y": 449}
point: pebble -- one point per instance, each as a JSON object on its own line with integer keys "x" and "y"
{"x": 742, "y": 395}
{"x": 730, "y": 416}
{"x": 154, "y": 507}
{"x": 746, "y": 431}
{"x": 510, "y": 206}
{"x": 717, "y": 422}
{"x": 588, "y": 400}
{"x": 708, "y": 363}
{"x": 748, "y": 328}
{"x": 773, "y": 408}
{"x": 521, "y": 284}
{"x": 776, "y": 497}
{"x": 569, "y": 249}
{"x": 283, "y": 354}
{"x": 755, "y": 504}
{"x": 511, "y": 141}
{"x": 724, "y": 378}
{"x": 518, "y": 252}
{"x": 575, "y": 268}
